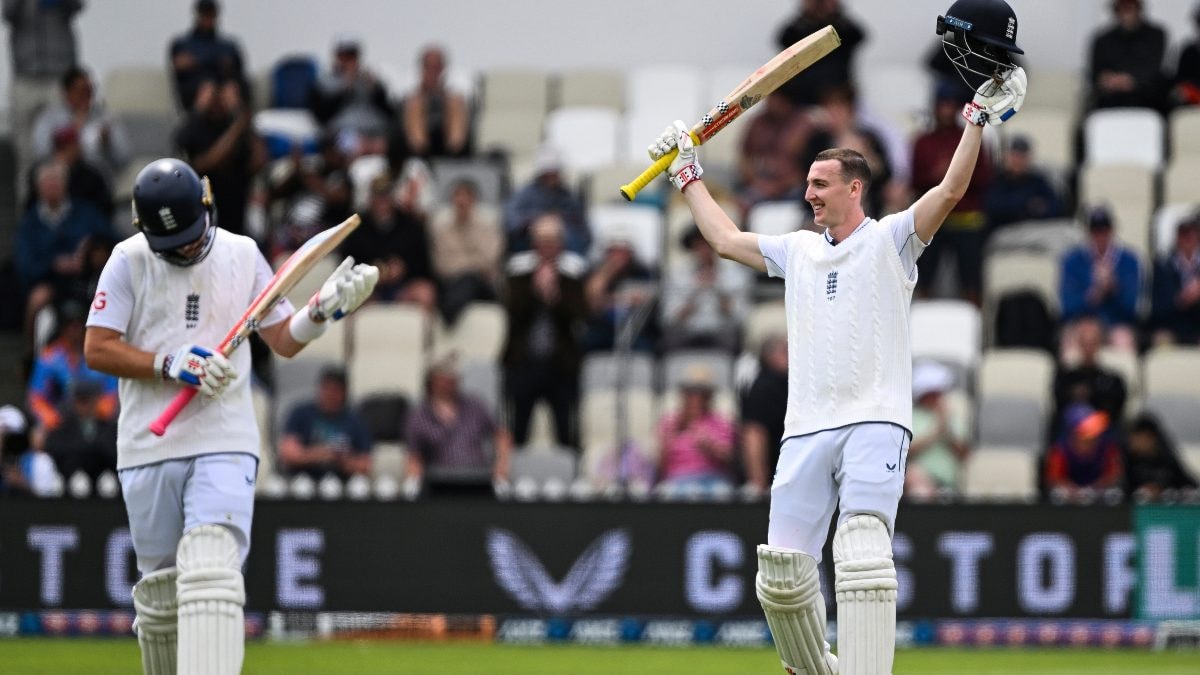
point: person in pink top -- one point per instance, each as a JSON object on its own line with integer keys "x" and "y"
{"x": 696, "y": 442}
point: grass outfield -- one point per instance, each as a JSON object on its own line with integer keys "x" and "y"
{"x": 102, "y": 657}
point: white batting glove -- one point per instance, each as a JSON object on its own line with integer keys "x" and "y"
{"x": 347, "y": 288}
{"x": 995, "y": 103}
{"x": 685, "y": 168}
{"x": 197, "y": 367}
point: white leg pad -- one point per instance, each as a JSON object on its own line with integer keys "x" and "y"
{"x": 156, "y": 622}
{"x": 789, "y": 589}
{"x": 865, "y": 586}
{"x": 211, "y": 596}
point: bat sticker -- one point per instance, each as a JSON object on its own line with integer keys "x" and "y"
{"x": 748, "y": 101}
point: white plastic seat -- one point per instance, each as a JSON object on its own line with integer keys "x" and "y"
{"x": 600, "y": 371}
{"x": 517, "y": 133}
{"x": 1178, "y": 415}
{"x": 642, "y": 224}
{"x": 311, "y": 282}
{"x": 592, "y": 88}
{"x": 947, "y": 331}
{"x": 1010, "y": 421}
{"x": 775, "y": 218}
{"x": 482, "y": 379}
{"x": 362, "y": 171}
{"x": 516, "y": 90}
{"x": 388, "y": 459}
{"x": 1050, "y": 133}
{"x": 387, "y": 327}
{"x": 479, "y": 333}
{"x": 1120, "y": 136}
{"x": 1185, "y": 133}
{"x": 1001, "y": 472}
{"x": 1017, "y": 373}
{"x": 1170, "y": 371}
{"x": 1125, "y": 363}
{"x": 639, "y": 129}
{"x": 1053, "y": 92}
{"x": 398, "y": 372}
{"x": 1180, "y": 180}
{"x": 1128, "y": 190}
{"x": 598, "y": 426}
{"x": 764, "y": 319}
{"x": 140, "y": 90}
{"x": 671, "y": 91}
{"x": 293, "y": 124}
{"x": 899, "y": 91}
{"x": 1037, "y": 237}
{"x": 1005, "y": 273}
{"x": 544, "y": 464}
{"x": 566, "y": 127}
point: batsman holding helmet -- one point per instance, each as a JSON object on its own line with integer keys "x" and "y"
{"x": 165, "y": 298}
{"x": 849, "y": 409}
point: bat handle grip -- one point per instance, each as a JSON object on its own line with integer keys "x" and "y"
{"x": 159, "y": 426}
{"x": 635, "y": 186}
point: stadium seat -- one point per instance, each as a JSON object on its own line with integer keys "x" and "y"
{"x": 387, "y": 350}
{"x": 1179, "y": 180}
{"x": 1050, "y": 133}
{"x": 600, "y": 126}
{"x": 775, "y": 218}
{"x": 517, "y": 134}
{"x": 1129, "y": 192}
{"x": 667, "y": 91}
{"x": 676, "y": 365}
{"x": 1126, "y": 364}
{"x": 362, "y": 171}
{"x": 285, "y": 128}
{"x": 400, "y": 372}
{"x": 311, "y": 282}
{"x": 601, "y": 185}
{"x": 947, "y": 331}
{"x": 1010, "y": 421}
{"x": 1016, "y": 373}
{"x": 1037, "y": 237}
{"x": 592, "y": 88}
{"x": 599, "y": 433}
{"x": 642, "y": 224}
{"x": 1185, "y": 133}
{"x": 1166, "y": 222}
{"x": 1170, "y": 371}
{"x": 600, "y": 371}
{"x": 543, "y": 464}
{"x": 479, "y": 332}
{"x": 138, "y": 90}
{"x": 764, "y": 319}
{"x": 149, "y": 134}
{"x": 1006, "y": 273}
{"x": 1124, "y": 136}
{"x": 1178, "y": 413}
{"x": 122, "y": 186}
{"x": 1001, "y": 472}
{"x": 292, "y": 80}
{"x": 388, "y": 459}
{"x": 487, "y": 176}
{"x": 515, "y": 90}
{"x": 1054, "y": 92}
{"x": 898, "y": 90}
{"x": 299, "y": 373}
{"x": 482, "y": 378}
{"x": 639, "y": 129}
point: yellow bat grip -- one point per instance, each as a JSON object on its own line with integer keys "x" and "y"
{"x": 635, "y": 186}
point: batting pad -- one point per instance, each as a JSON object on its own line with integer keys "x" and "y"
{"x": 211, "y": 597}
{"x": 789, "y": 589}
{"x": 156, "y": 623}
{"x": 865, "y": 586}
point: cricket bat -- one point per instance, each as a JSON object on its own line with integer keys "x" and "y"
{"x": 288, "y": 275}
{"x": 769, "y": 77}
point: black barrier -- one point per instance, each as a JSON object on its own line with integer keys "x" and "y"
{"x": 596, "y": 559}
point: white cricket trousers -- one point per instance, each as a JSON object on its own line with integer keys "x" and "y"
{"x": 860, "y": 467}
{"x": 166, "y": 499}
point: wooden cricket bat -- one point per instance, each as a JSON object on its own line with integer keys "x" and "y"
{"x": 288, "y": 275}
{"x": 761, "y": 82}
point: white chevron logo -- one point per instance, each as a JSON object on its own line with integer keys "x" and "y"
{"x": 592, "y": 578}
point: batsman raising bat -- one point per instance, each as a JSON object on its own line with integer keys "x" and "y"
{"x": 164, "y": 300}
{"x": 849, "y": 407}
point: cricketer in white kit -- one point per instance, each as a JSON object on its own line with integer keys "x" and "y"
{"x": 165, "y": 299}
{"x": 849, "y": 409}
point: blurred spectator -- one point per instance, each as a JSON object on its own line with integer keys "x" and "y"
{"x": 314, "y": 191}
{"x": 450, "y": 433}
{"x": 705, "y": 299}
{"x": 349, "y": 98}
{"x": 546, "y": 311}
{"x": 835, "y": 69}
{"x": 324, "y": 435}
{"x": 42, "y": 42}
{"x": 837, "y": 126}
{"x": 940, "y": 438}
{"x": 962, "y": 231}
{"x": 86, "y": 438}
{"x": 24, "y": 468}
{"x": 202, "y": 55}
{"x": 1085, "y": 380}
{"x": 53, "y": 239}
{"x": 547, "y": 193}
{"x": 85, "y": 183}
{"x": 1085, "y": 459}
{"x": 1175, "y": 310}
{"x": 435, "y": 119}
{"x": 1151, "y": 461}
{"x": 103, "y": 140}
{"x": 1102, "y": 278}
{"x": 467, "y": 245}
{"x": 618, "y": 286}
{"x": 1020, "y": 192}
{"x": 763, "y": 410}
{"x": 1126, "y": 61}
{"x": 696, "y": 443}
{"x": 393, "y": 239}
{"x": 1187, "y": 73}
{"x": 219, "y": 142}
{"x": 60, "y": 368}
{"x": 772, "y": 150}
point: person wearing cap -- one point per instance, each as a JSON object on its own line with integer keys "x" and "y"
{"x": 325, "y": 435}
{"x": 547, "y": 193}
{"x": 1020, "y": 192}
{"x": 1175, "y": 299}
{"x": 350, "y": 99}
{"x": 705, "y": 299}
{"x": 103, "y": 139}
{"x": 1186, "y": 82}
{"x": 940, "y": 437}
{"x": 1101, "y": 278}
{"x": 618, "y": 285}
{"x": 1126, "y": 59}
{"x": 203, "y": 54}
{"x": 61, "y": 368}
{"x": 435, "y": 118}
{"x": 696, "y": 443}
{"x": 1086, "y": 457}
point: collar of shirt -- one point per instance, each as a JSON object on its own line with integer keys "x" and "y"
{"x": 829, "y": 237}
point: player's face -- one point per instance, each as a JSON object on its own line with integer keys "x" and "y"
{"x": 828, "y": 193}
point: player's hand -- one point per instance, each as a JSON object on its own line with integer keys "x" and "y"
{"x": 685, "y": 168}
{"x": 347, "y": 288}
{"x": 996, "y": 102}
{"x": 199, "y": 368}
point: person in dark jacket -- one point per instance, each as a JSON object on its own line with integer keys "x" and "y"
{"x": 835, "y": 69}
{"x": 1020, "y": 192}
{"x": 204, "y": 54}
{"x": 1151, "y": 463}
{"x": 1125, "y": 66}
{"x": 1186, "y": 82}
{"x": 1175, "y": 300}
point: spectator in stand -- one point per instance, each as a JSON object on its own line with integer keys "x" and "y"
{"x": 1151, "y": 462}
{"x": 435, "y": 118}
{"x": 467, "y": 244}
{"x": 314, "y": 191}
{"x": 547, "y": 193}
{"x": 42, "y": 42}
{"x": 202, "y": 55}
{"x": 837, "y": 125}
{"x": 85, "y": 183}
{"x": 963, "y": 230}
{"x": 1020, "y": 192}
{"x": 450, "y": 433}
{"x": 546, "y": 311}
{"x": 219, "y": 142}
{"x": 705, "y": 299}
{"x": 1186, "y": 84}
{"x": 324, "y": 436}
{"x": 696, "y": 443}
{"x": 618, "y": 286}
{"x": 1102, "y": 278}
{"x": 86, "y": 438}
{"x": 772, "y": 150}
{"x": 1175, "y": 306}
{"x": 1086, "y": 458}
{"x": 54, "y": 238}
{"x": 940, "y": 438}
{"x": 105, "y": 144}
{"x": 835, "y": 69}
{"x": 393, "y": 239}
{"x": 24, "y": 468}
{"x": 61, "y": 368}
{"x": 349, "y": 98}
{"x": 1084, "y": 380}
{"x": 763, "y": 410}
{"x": 1126, "y": 61}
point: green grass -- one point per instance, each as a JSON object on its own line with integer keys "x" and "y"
{"x": 101, "y": 657}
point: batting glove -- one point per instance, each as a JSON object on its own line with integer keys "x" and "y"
{"x": 196, "y": 367}
{"x": 685, "y": 168}
{"x": 347, "y": 288}
{"x": 996, "y": 102}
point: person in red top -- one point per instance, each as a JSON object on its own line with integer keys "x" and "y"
{"x": 696, "y": 442}
{"x": 1085, "y": 459}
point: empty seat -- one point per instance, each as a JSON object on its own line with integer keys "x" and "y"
{"x": 1050, "y": 133}
{"x": 1178, "y": 414}
{"x": 640, "y": 128}
{"x": 515, "y": 90}
{"x": 947, "y": 331}
{"x": 362, "y": 171}
{"x": 388, "y": 327}
{"x": 487, "y": 176}
{"x": 150, "y": 135}
{"x": 311, "y": 282}
{"x": 1001, "y": 472}
{"x": 482, "y": 379}
{"x": 140, "y": 90}
{"x": 566, "y": 127}
{"x": 1172, "y": 371}
{"x": 1124, "y": 363}
{"x": 642, "y": 224}
{"x": 543, "y": 464}
{"x": 672, "y": 92}
{"x": 600, "y": 433}
{"x": 1037, "y": 237}
{"x": 601, "y": 370}
{"x": 1124, "y": 136}
{"x": 1128, "y": 190}
{"x": 899, "y": 91}
{"x": 1185, "y": 133}
{"x": 479, "y": 333}
{"x": 388, "y": 459}
{"x": 400, "y": 372}
{"x": 676, "y": 365}
{"x": 775, "y": 218}
{"x": 1009, "y": 421}
{"x": 592, "y": 88}
{"x": 516, "y": 133}
{"x": 764, "y": 319}
{"x": 1053, "y": 92}
{"x": 602, "y": 185}
{"x": 1017, "y": 373}
{"x": 1179, "y": 180}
